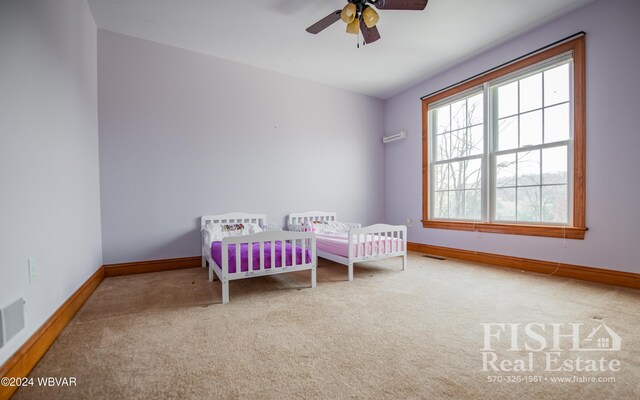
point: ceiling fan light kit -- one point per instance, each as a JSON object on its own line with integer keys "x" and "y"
{"x": 353, "y": 27}
{"x": 370, "y": 17}
{"x": 359, "y": 15}
{"x": 348, "y": 13}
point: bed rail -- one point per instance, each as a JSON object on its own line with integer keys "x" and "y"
{"x": 256, "y": 266}
{"x": 301, "y": 218}
{"x": 385, "y": 239}
{"x": 377, "y": 242}
{"x": 234, "y": 218}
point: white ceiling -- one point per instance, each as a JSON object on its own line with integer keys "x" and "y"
{"x": 271, "y": 34}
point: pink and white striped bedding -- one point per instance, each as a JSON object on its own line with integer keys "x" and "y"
{"x": 338, "y": 244}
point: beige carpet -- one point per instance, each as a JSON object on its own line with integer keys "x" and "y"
{"x": 389, "y": 334}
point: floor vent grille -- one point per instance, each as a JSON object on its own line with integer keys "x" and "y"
{"x": 434, "y": 257}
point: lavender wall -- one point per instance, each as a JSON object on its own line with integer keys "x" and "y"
{"x": 184, "y": 134}
{"x": 50, "y": 199}
{"x": 613, "y": 143}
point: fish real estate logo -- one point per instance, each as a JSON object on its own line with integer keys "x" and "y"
{"x": 550, "y": 347}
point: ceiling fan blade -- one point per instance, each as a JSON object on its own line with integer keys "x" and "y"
{"x": 369, "y": 35}
{"x": 324, "y": 23}
{"x": 401, "y": 4}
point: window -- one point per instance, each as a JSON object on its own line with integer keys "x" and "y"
{"x": 458, "y": 149}
{"x": 504, "y": 152}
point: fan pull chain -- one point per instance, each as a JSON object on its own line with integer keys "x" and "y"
{"x": 363, "y": 41}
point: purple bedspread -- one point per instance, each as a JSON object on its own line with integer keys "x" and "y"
{"x": 216, "y": 254}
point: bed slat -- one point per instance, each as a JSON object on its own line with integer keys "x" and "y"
{"x": 386, "y": 240}
{"x": 273, "y": 255}
{"x": 238, "y": 259}
{"x": 294, "y": 244}
{"x": 375, "y": 239}
{"x": 283, "y": 252}
{"x": 395, "y": 241}
{"x": 261, "y": 256}
{"x": 304, "y": 252}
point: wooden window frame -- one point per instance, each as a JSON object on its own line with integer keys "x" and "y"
{"x": 578, "y": 228}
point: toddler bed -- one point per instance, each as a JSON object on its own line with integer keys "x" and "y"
{"x": 349, "y": 243}
{"x": 238, "y": 246}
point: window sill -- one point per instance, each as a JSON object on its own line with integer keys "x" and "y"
{"x": 510, "y": 229}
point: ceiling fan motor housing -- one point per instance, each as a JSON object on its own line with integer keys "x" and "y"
{"x": 359, "y": 9}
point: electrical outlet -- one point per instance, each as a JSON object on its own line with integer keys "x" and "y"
{"x": 409, "y": 222}
{"x": 33, "y": 270}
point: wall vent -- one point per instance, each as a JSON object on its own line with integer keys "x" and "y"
{"x": 11, "y": 319}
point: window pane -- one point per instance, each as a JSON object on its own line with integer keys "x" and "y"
{"x": 531, "y": 93}
{"x": 556, "y": 85}
{"x": 441, "y": 205}
{"x": 531, "y": 128}
{"x": 506, "y": 170}
{"x": 442, "y": 146}
{"x": 459, "y": 114}
{"x": 441, "y": 177}
{"x": 456, "y": 177}
{"x": 554, "y": 165}
{"x": 506, "y": 204}
{"x": 456, "y": 204}
{"x": 475, "y": 142}
{"x": 529, "y": 203}
{"x": 472, "y": 204}
{"x": 554, "y": 204}
{"x": 529, "y": 168}
{"x": 508, "y": 100}
{"x": 475, "y": 109}
{"x": 557, "y": 123}
{"x": 443, "y": 119}
{"x": 458, "y": 143}
{"x": 473, "y": 174}
{"x": 508, "y": 133}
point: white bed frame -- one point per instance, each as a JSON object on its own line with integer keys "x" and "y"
{"x": 303, "y": 239}
{"x": 357, "y": 235}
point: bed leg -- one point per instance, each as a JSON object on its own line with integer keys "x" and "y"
{"x": 204, "y": 262}
{"x": 225, "y": 291}
{"x": 350, "y": 272}
{"x": 212, "y": 275}
{"x": 404, "y": 262}
{"x": 313, "y": 277}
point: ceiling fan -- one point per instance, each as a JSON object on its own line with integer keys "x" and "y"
{"x": 361, "y": 17}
